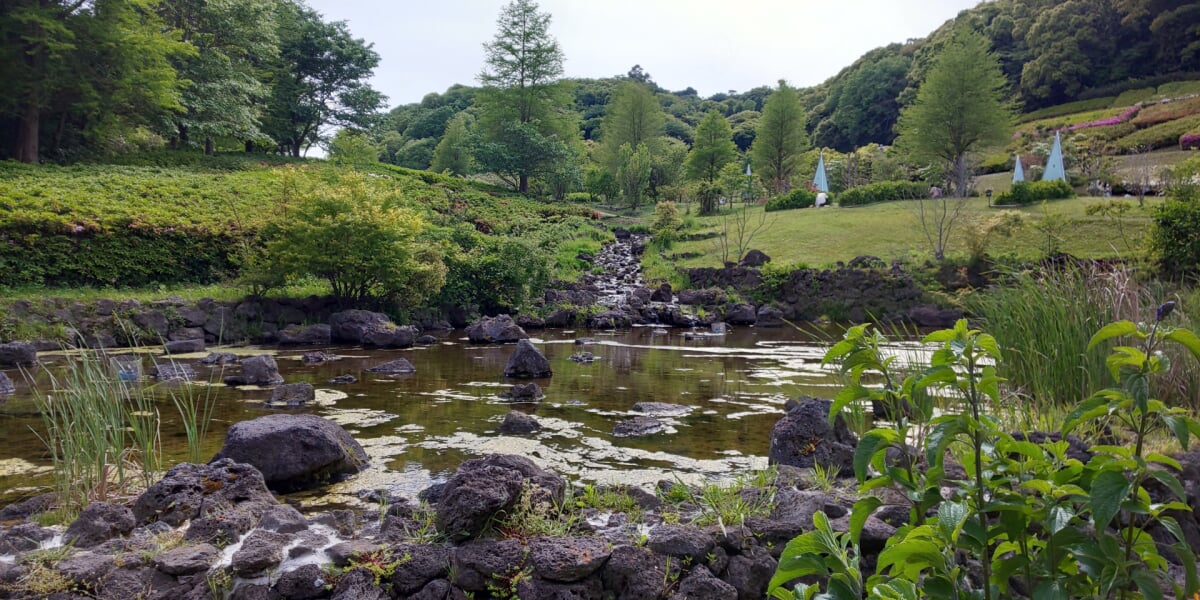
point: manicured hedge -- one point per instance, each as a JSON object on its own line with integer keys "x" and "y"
{"x": 798, "y": 198}
{"x": 1158, "y": 136}
{"x": 1069, "y": 109}
{"x": 1028, "y": 192}
{"x": 884, "y": 191}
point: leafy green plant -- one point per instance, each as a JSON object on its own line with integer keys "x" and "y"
{"x": 1028, "y": 192}
{"x": 883, "y": 191}
{"x": 797, "y": 198}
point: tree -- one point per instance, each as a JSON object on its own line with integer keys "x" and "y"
{"x": 634, "y": 117}
{"x": 353, "y": 148}
{"x": 633, "y": 175}
{"x": 779, "y": 139}
{"x": 320, "y": 80}
{"x": 525, "y": 123}
{"x": 712, "y": 149}
{"x": 234, "y": 42}
{"x": 453, "y": 154}
{"x": 958, "y": 110}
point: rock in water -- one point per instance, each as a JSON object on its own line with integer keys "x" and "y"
{"x": 370, "y": 329}
{"x": 517, "y": 422}
{"x": 497, "y": 330}
{"x": 257, "y": 370}
{"x": 484, "y": 487}
{"x": 319, "y": 334}
{"x": 527, "y": 362}
{"x": 6, "y": 385}
{"x": 804, "y": 436}
{"x": 294, "y": 452}
{"x": 184, "y": 346}
{"x": 399, "y": 366}
{"x": 18, "y": 354}
{"x": 528, "y": 392}
{"x": 638, "y": 426}
{"x": 293, "y": 394}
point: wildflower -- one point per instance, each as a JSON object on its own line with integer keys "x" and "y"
{"x": 1164, "y": 311}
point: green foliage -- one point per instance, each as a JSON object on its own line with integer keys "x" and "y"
{"x": 1025, "y": 512}
{"x": 633, "y": 173}
{"x": 1071, "y": 108}
{"x": 352, "y": 148}
{"x": 1162, "y": 135}
{"x": 1131, "y": 97}
{"x": 632, "y": 116}
{"x": 884, "y": 191}
{"x": 363, "y": 242}
{"x": 667, "y": 222}
{"x": 797, "y": 198}
{"x": 779, "y": 139}
{"x": 958, "y": 110}
{"x": 1178, "y": 89}
{"x": 1173, "y": 241}
{"x": 1028, "y": 192}
{"x": 453, "y": 153}
{"x": 712, "y": 150}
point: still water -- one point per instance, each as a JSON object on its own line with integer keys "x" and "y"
{"x": 418, "y": 428}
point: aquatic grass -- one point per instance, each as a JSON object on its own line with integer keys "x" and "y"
{"x": 195, "y": 408}
{"x": 102, "y": 431}
{"x": 608, "y": 498}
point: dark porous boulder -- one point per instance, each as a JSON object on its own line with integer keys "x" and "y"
{"x": 186, "y": 560}
{"x": 742, "y": 314}
{"x": 343, "y": 380}
{"x": 662, "y": 408}
{"x": 519, "y": 423}
{"x": 681, "y": 540}
{"x": 173, "y": 371}
{"x": 23, "y": 538}
{"x": 424, "y": 563}
{"x": 283, "y": 518}
{"x": 184, "y": 346}
{"x": 799, "y": 506}
{"x": 257, "y": 370}
{"x": 485, "y": 486}
{"x": 633, "y": 572}
{"x": 369, "y": 329}
{"x": 313, "y": 335}
{"x": 304, "y": 583}
{"x": 754, "y": 258}
{"x": 292, "y": 395}
{"x": 530, "y": 322}
{"x": 87, "y": 569}
{"x": 700, "y": 584}
{"x": 477, "y": 564}
{"x": 98, "y": 523}
{"x": 187, "y": 489}
{"x": 527, "y": 362}
{"x": 611, "y": 319}
{"x": 662, "y": 294}
{"x": 318, "y": 357}
{"x": 260, "y": 551}
{"x": 6, "y": 384}
{"x": 294, "y": 452}
{"x": 750, "y": 572}
{"x": 587, "y": 589}
{"x": 220, "y": 359}
{"x": 186, "y": 333}
{"x": 19, "y": 511}
{"x": 426, "y": 340}
{"x": 358, "y": 584}
{"x": 638, "y": 426}
{"x": 18, "y": 354}
{"x": 400, "y": 366}
{"x": 934, "y": 317}
{"x": 341, "y": 554}
{"x": 769, "y": 316}
{"x": 568, "y": 559}
{"x": 438, "y": 589}
{"x": 495, "y": 330}
{"x": 708, "y": 297}
{"x": 804, "y": 436}
{"x": 523, "y": 392}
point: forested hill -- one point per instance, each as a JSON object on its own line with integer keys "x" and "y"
{"x": 1051, "y": 51}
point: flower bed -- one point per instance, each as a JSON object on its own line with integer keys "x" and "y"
{"x": 1163, "y": 112}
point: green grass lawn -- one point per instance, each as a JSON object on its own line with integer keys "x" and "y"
{"x": 820, "y": 237}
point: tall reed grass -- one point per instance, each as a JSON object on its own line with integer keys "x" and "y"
{"x": 1043, "y": 321}
{"x": 102, "y": 432}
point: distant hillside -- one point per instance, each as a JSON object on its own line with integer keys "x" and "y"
{"x": 1052, "y": 51}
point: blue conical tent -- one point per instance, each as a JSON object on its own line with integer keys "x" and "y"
{"x": 1054, "y": 164}
{"x": 1018, "y": 171}
{"x": 819, "y": 180}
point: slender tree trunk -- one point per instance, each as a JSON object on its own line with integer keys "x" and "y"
{"x": 183, "y": 136}
{"x": 249, "y": 147}
{"x": 523, "y": 184}
{"x": 296, "y": 149}
{"x": 209, "y": 147}
{"x": 26, "y": 147}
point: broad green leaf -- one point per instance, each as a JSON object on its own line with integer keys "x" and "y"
{"x": 862, "y": 509}
{"x": 1059, "y": 518}
{"x": 1110, "y": 331}
{"x": 1179, "y": 428}
{"x": 871, "y": 443}
{"x": 1162, "y": 459}
{"x": 851, "y": 393}
{"x": 940, "y": 336}
{"x": 1147, "y": 583}
{"x": 942, "y": 434}
{"x": 1109, "y": 489}
{"x": 951, "y": 516}
{"x": 1050, "y": 590}
{"x": 1089, "y": 409}
{"x": 910, "y": 557}
{"x": 938, "y": 375}
{"x": 1187, "y": 339}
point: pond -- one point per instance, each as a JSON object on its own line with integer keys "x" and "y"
{"x": 418, "y": 428}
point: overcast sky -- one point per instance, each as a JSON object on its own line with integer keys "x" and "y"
{"x": 428, "y": 45}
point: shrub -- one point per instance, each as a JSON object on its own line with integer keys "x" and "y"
{"x": 1131, "y": 97}
{"x": 1028, "y": 192}
{"x": 1069, "y": 108}
{"x": 1173, "y": 239}
{"x": 362, "y": 241}
{"x": 1175, "y": 89}
{"x": 884, "y": 191}
{"x": 1190, "y": 140}
{"x": 1167, "y": 111}
{"x": 666, "y": 222}
{"x": 578, "y": 197}
{"x": 797, "y": 198}
{"x": 1159, "y": 136}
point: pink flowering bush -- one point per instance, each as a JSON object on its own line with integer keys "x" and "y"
{"x": 1125, "y": 115}
{"x": 1190, "y": 141}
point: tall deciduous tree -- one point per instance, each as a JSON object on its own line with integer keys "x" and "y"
{"x": 453, "y": 154}
{"x": 633, "y": 117}
{"x": 319, "y": 81}
{"x": 712, "y": 149}
{"x": 958, "y": 110}
{"x": 633, "y": 175}
{"x": 779, "y": 139}
{"x": 525, "y": 121}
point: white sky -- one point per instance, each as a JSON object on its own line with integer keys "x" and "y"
{"x": 428, "y": 45}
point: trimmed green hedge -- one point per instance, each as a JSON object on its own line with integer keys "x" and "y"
{"x": 1028, "y": 192}
{"x": 884, "y": 191}
{"x": 797, "y": 198}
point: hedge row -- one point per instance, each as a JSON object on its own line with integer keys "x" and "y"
{"x": 797, "y": 198}
{"x": 884, "y": 191}
{"x": 1028, "y": 192}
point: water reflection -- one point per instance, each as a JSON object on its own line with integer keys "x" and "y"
{"x": 418, "y": 428}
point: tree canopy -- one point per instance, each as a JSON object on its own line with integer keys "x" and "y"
{"x": 779, "y": 139}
